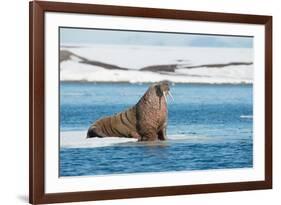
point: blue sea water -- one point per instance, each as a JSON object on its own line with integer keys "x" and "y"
{"x": 211, "y": 127}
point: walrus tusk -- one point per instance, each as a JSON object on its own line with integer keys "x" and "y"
{"x": 169, "y": 93}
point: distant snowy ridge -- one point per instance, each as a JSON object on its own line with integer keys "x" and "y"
{"x": 137, "y": 64}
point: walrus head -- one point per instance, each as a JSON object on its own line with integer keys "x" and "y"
{"x": 163, "y": 89}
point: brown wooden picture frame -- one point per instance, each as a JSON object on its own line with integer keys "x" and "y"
{"x": 37, "y": 10}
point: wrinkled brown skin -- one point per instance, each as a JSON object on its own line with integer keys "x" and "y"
{"x": 145, "y": 121}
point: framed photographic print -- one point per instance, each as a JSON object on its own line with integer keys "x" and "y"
{"x": 138, "y": 102}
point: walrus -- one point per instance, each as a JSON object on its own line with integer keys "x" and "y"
{"x": 145, "y": 121}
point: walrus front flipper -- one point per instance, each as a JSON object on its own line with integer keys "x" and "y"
{"x": 161, "y": 135}
{"x": 149, "y": 134}
{"x": 135, "y": 135}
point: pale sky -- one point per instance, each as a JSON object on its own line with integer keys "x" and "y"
{"x": 72, "y": 36}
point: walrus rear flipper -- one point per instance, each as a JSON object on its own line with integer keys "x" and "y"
{"x": 94, "y": 132}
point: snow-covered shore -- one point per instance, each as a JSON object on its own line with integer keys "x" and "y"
{"x": 136, "y": 64}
